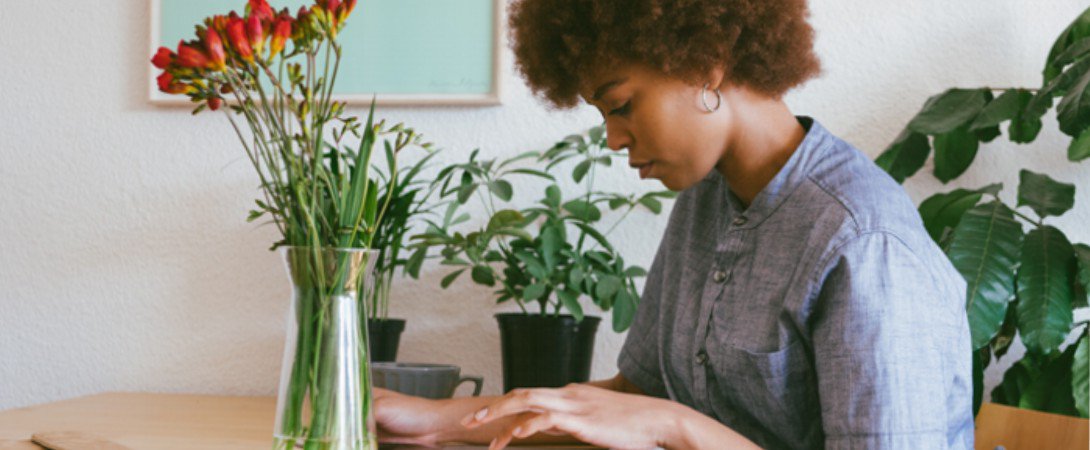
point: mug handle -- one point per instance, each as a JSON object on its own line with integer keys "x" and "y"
{"x": 477, "y": 381}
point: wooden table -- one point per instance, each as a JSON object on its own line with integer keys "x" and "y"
{"x": 153, "y": 421}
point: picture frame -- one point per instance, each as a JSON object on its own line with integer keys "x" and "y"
{"x": 399, "y": 52}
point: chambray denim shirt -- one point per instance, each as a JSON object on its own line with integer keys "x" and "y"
{"x": 820, "y": 316}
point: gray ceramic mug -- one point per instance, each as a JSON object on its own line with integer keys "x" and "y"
{"x": 422, "y": 380}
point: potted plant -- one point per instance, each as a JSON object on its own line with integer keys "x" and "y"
{"x": 409, "y": 197}
{"x": 314, "y": 165}
{"x": 1027, "y": 285}
{"x": 547, "y": 255}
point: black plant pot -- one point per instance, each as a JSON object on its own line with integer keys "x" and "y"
{"x": 544, "y": 350}
{"x": 383, "y": 337}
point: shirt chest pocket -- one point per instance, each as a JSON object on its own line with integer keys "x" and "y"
{"x": 777, "y": 388}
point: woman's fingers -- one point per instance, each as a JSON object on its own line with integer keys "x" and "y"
{"x": 516, "y": 402}
{"x": 533, "y": 423}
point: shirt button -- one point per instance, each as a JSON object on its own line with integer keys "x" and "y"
{"x": 702, "y": 357}
{"x": 740, "y": 220}
{"x": 719, "y": 276}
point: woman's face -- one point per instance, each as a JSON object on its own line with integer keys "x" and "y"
{"x": 662, "y": 122}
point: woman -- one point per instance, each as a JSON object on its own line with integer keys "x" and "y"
{"x": 795, "y": 300}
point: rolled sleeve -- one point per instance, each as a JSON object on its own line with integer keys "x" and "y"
{"x": 881, "y": 376}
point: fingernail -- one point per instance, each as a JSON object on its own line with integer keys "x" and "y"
{"x": 517, "y": 432}
{"x": 492, "y": 445}
{"x": 480, "y": 414}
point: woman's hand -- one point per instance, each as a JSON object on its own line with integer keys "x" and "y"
{"x": 593, "y": 415}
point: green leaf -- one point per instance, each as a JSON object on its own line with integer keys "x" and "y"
{"x": 552, "y": 196}
{"x": 1075, "y": 32}
{"x": 570, "y": 301}
{"x": 942, "y": 211}
{"x": 597, "y": 235}
{"x": 978, "y": 379}
{"x": 617, "y": 202}
{"x": 583, "y": 210}
{"x": 635, "y": 271}
{"x": 505, "y": 218}
{"x": 502, "y": 189}
{"x": 483, "y": 275}
{"x": 536, "y": 173}
{"x": 985, "y": 249}
{"x": 1015, "y": 381}
{"x": 1080, "y": 371}
{"x": 624, "y": 309}
{"x": 1006, "y": 107}
{"x": 1073, "y": 111}
{"x": 1044, "y": 290}
{"x": 905, "y": 156}
{"x": 580, "y": 170}
{"x": 465, "y": 191}
{"x": 597, "y": 133}
{"x": 948, "y": 111}
{"x": 1080, "y": 147}
{"x": 533, "y": 265}
{"x": 447, "y": 280}
{"x": 534, "y": 291}
{"x": 607, "y": 287}
{"x": 415, "y": 262}
{"x": 954, "y": 152}
{"x": 552, "y": 238}
{"x": 1082, "y": 258}
{"x": 1050, "y": 391}
{"x": 651, "y": 203}
{"x": 1047, "y": 197}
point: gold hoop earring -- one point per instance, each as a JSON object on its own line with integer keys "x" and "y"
{"x": 704, "y": 99}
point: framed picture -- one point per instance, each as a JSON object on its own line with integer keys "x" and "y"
{"x": 405, "y": 52}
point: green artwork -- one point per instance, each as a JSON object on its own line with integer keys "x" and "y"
{"x": 435, "y": 48}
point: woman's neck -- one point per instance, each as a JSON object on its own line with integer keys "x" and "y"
{"x": 763, "y": 136}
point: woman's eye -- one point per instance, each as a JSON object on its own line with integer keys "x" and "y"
{"x": 623, "y": 110}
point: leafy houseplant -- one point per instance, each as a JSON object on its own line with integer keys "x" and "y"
{"x": 410, "y": 200}
{"x": 1025, "y": 284}
{"x": 549, "y": 254}
{"x": 314, "y": 166}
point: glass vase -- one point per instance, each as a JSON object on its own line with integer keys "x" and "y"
{"x": 325, "y": 402}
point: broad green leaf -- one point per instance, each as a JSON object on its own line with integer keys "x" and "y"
{"x": 1080, "y": 147}
{"x": 905, "y": 156}
{"x": 570, "y": 301}
{"x": 505, "y": 218}
{"x": 1044, "y": 290}
{"x": 1015, "y": 381}
{"x": 624, "y": 309}
{"x": 597, "y": 133}
{"x": 1051, "y": 390}
{"x": 1047, "y": 197}
{"x": 552, "y": 239}
{"x": 580, "y": 170}
{"x": 651, "y": 203}
{"x": 447, "y": 280}
{"x": 1007, "y": 106}
{"x": 954, "y": 152}
{"x": 412, "y": 267}
{"x": 552, "y": 196}
{"x": 635, "y": 271}
{"x": 576, "y": 276}
{"x": 941, "y": 211}
{"x": 1003, "y": 340}
{"x": 502, "y": 189}
{"x": 1073, "y": 111}
{"x": 948, "y": 111}
{"x": 1080, "y": 371}
{"x": 1061, "y": 85}
{"x": 483, "y": 275}
{"x": 985, "y": 248}
{"x": 534, "y": 291}
{"x": 1075, "y": 32}
{"x": 597, "y": 235}
{"x": 617, "y": 202}
{"x": 607, "y": 287}
{"x": 583, "y": 210}
{"x": 534, "y": 265}
{"x": 465, "y": 191}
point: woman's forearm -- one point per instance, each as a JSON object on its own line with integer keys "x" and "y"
{"x": 695, "y": 431}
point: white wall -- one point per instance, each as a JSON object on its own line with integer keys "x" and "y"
{"x": 126, "y": 263}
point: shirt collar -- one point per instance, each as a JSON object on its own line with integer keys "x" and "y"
{"x": 793, "y": 173}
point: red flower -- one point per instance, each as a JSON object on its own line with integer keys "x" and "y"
{"x": 261, "y": 9}
{"x": 256, "y": 31}
{"x": 191, "y": 57}
{"x": 168, "y": 85}
{"x": 214, "y": 103}
{"x": 345, "y": 10}
{"x": 214, "y": 44}
{"x": 163, "y": 58}
{"x": 237, "y": 35}
{"x": 281, "y": 33}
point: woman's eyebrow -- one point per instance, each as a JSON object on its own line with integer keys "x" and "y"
{"x": 598, "y": 93}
